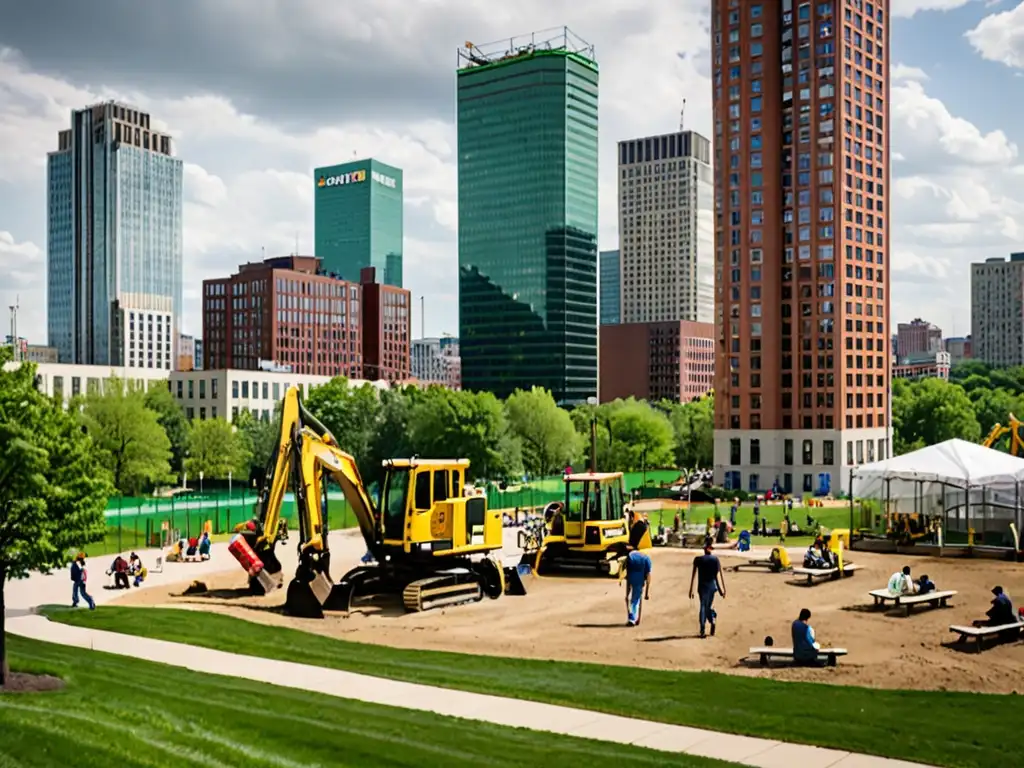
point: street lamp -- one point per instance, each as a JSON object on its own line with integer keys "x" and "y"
{"x": 592, "y": 401}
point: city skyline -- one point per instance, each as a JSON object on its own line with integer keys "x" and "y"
{"x": 249, "y": 150}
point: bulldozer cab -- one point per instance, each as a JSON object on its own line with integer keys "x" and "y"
{"x": 424, "y": 509}
{"x": 592, "y": 498}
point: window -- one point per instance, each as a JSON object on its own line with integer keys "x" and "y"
{"x": 808, "y": 452}
{"x": 755, "y": 104}
{"x": 788, "y": 452}
{"x": 234, "y": 389}
{"x": 755, "y": 451}
{"x": 734, "y": 451}
{"x": 202, "y": 389}
{"x": 828, "y": 448}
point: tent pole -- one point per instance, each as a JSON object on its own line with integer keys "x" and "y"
{"x": 851, "y": 509}
{"x": 888, "y": 497}
{"x": 967, "y": 516}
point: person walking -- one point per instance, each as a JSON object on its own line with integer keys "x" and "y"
{"x": 707, "y": 572}
{"x": 78, "y": 578}
{"x": 638, "y": 582}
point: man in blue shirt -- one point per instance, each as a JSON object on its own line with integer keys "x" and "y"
{"x": 638, "y": 581}
{"x": 707, "y": 572}
{"x": 805, "y": 649}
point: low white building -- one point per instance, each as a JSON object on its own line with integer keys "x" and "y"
{"x": 202, "y": 394}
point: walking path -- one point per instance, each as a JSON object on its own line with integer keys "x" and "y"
{"x": 743, "y": 750}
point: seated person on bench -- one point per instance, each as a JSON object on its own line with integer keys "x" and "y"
{"x": 805, "y": 648}
{"x": 204, "y": 546}
{"x": 813, "y": 558}
{"x": 1000, "y": 613}
{"x": 900, "y": 583}
{"x": 925, "y": 585}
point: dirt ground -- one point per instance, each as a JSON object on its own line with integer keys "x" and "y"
{"x": 583, "y": 619}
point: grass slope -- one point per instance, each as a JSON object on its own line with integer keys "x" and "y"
{"x": 960, "y": 730}
{"x": 122, "y": 711}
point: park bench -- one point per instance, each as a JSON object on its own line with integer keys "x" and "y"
{"x": 980, "y": 634}
{"x": 825, "y": 573}
{"x": 907, "y": 602}
{"x": 768, "y": 652}
{"x": 758, "y": 562}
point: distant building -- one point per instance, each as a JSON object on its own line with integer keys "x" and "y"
{"x": 359, "y": 220}
{"x": 923, "y": 365}
{"x": 386, "y": 322}
{"x": 610, "y": 288}
{"x": 186, "y": 353}
{"x": 655, "y": 361}
{"x": 997, "y": 311}
{"x": 917, "y": 337}
{"x": 114, "y": 240}
{"x": 959, "y": 349}
{"x": 436, "y": 361}
{"x": 283, "y": 310}
{"x": 31, "y": 353}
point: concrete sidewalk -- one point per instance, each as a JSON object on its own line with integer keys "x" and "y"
{"x": 515, "y": 713}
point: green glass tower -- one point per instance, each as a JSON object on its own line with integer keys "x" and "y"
{"x": 527, "y": 131}
{"x": 358, "y": 219}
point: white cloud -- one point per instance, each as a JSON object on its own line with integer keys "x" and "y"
{"x": 999, "y": 37}
{"x": 904, "y": 72}
{"x": 908, "y": 8}
{"x": 22, "y": 265}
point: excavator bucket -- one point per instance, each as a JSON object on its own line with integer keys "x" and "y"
{"x": 306, "y": 598}
{"x": 514, "y": 584}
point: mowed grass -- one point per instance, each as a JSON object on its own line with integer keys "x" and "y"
{"x": 828, "y": 517}
{"x": 119, "y": 711}
{"x": 961, "y": 732}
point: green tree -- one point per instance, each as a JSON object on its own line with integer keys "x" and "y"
{"x": 931, "y": 411}
{"x": 546, "y": 432}
{"x": 693, "y": 426}
{"x": 171, "y": 416}
{"x": 391, "y": 439}
{"x": 446, "y": 424}
{"x": 53, "y": 489}
{"x": 640, "y": 436}
{"x": 259, "y": 441}
{"x": 216, "y": 449}
{"x": 132, "y": 444}
{"x": 994, "y": 406}
{"x": 351, "y": 413}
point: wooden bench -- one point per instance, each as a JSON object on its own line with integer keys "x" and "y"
{"x": 823, "y": 573}
{"x": 760, "y": 563}
{"x": 980, "y": 634}
{"x": 934, "y": 599}
{"x": 767, "y": 652}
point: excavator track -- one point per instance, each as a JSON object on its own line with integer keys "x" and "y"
{"x": 454, "y": 587}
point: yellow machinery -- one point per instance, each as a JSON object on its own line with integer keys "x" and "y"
{"x": 591, "y": 529}
{"x": 1013, "y": 430}
{"x": 431, "y": 544}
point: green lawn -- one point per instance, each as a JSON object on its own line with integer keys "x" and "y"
{"x": 122, "y": 711}
{"x": 828, "y": 517}
{"x": 960, "y": 732}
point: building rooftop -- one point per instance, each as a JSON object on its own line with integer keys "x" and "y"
{"x": 557, "y": 40}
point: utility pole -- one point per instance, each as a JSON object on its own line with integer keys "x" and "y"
{"x": 423, "y": 317}
{"x": 15, "y": 346}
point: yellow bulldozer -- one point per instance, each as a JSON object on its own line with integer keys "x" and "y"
{"x": 431, "y": 545}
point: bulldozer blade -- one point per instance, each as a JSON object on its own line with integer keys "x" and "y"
{"x": 302, "y": 601}
{"x": 514, "y": 584}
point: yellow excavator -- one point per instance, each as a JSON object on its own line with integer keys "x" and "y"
{"x": 1013, "y": 429}
{"x": 431, "y": 545}
{"x": 591, "y": 530}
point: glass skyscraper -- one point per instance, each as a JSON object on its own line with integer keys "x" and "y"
{"x": 114, "y": 240}
{"x": 611, "y": 288}
{"x": 358, "y": 219}
{"x": 527, "y": 133}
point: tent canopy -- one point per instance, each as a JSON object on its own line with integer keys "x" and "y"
{"x": 955, "y": 462}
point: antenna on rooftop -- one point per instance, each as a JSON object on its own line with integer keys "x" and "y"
{"x": 296, "y": 243}
{"x": 682, "y": 116}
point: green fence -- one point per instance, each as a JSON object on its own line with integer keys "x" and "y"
{"x": 540, "y": 491}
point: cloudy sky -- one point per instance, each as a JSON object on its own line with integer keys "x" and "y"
{"x": 258, "y": 92}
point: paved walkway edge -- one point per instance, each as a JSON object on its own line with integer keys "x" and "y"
{"x": 516, "y": 713}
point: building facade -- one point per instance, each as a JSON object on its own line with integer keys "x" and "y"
{"x": 436, "y": 361}
{"x": 610, "y": 288}
{"x": 918, "y": 337}
{"x": 801, "y": 108}
{"x": 386, "y": 325}
{"x": 922, "y": 365}
{"x": 528, "y": 156}
{"x": 359, "y": 220}
{"x": 114, "y": 240}
{"x": 997, "y": 311}
{"x": 283, "y": 311}
{"x": 657, "y": 361}
{"x": 186, "y": 353}
{"x": 959, "y": 348}
{"x": 666, "y": 228}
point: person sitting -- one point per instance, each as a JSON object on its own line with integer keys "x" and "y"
{"x": 204, "y": 546}
{"x": 192, "y": 548}
{"x": 813, "y": 558}
{"x": 900, "y": 583}
{"x": 136, "y": 569}
{"x": 925, "y": 585}
{"x": 805, "y": 647}
{"x": 1000, "y": 613}
{"x": 828, "y": 554}
{"x": 743, "y": 544}
{"x": 119, "y": 569}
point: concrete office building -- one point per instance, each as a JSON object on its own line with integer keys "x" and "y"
{"x": 918, "y": 337}
{"x": 666, "y": 228}
{"x": 997, "y": 311}
{"x": 610, "y": 288}
{"x": 528, "y": 155}
{"x": 657, "y": 361}
{"x": 960, "y": 348}
{"x": 358, "y": 219}
{"x": 436, "y": 361}
{"x": 801, "y": 100}
{"x": 114, "y": 249}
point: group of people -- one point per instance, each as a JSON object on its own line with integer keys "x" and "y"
{"x": 192, "y": 549}
{"x": 820, "y": 556}
{"x": 999, "y": 614}
{"x": 122, "y": 570}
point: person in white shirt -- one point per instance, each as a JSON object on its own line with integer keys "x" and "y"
{"x": 900, "y": 583}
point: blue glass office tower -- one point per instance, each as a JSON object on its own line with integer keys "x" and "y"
{"x": 114, "y": 241}
{"x": 527, "y": 128}
{"x": 610, "y": 286}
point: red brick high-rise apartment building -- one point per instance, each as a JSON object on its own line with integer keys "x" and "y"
{"x": 387, "y": 329}
{"x": 801, "y": 103}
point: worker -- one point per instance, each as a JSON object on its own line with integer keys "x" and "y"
{"x": 638, "y": 580}
{"x": 707, "y": 572}
{"x": 805, "y": 648}
{"x": 78, "y": 579}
